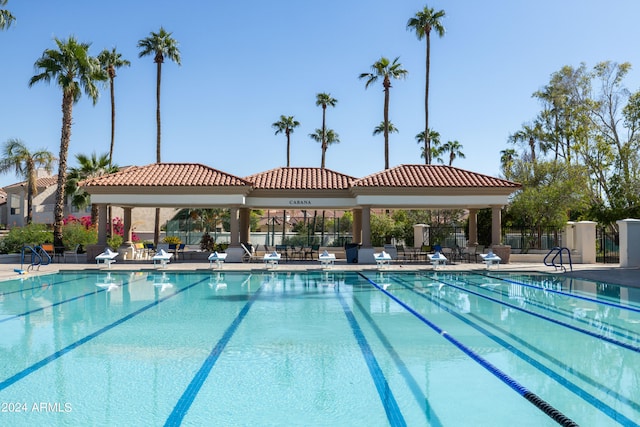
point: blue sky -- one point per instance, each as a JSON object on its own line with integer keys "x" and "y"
{"x": 244, "y": 63}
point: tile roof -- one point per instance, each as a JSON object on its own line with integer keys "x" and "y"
{"x": 167, "y": 175}
{"x": 43, "y": 182}
{"x": 300, "y": 178}
{"x": 414, "y": 176}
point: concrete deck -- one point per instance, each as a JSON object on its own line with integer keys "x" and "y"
{"x": 611, "y": 273}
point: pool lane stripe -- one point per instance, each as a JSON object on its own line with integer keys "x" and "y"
{"x": 39, "y": 286}
{"x": 421, "y": 399}
{"x": 394, "y": 416}
{"x": 31, "y": 369}
{"x": 547, "y": 318}
{"x": 189, "y": 395}
{"x": 573, "y": 388}
{"x": 536, "y": 400}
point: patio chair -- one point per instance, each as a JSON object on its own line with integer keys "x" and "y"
{"x": 248, "y": 255}
{"x": 73, "y": 252}
{"x": 283, "y": 250}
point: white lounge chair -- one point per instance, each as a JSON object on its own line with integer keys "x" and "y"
{"x": 491, "y": 259}
{"x": 326, "y": 259}
{"x": 271, "y": 259}
{"x": 107, "y": 258}
{"x": 163, "y": 257}
{"x": 437, "y": 260}
{"x": 382, "y": 259}
{"x": 217, "y": 258}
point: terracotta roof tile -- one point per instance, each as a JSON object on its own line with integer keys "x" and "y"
{"x": 431, "y": 176}
{"x": 43, "y": 182}
{"x": 304, "y": 178}
{"x": 167, "y": 175}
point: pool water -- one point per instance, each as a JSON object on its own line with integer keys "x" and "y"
{"x": 318, "y": 348}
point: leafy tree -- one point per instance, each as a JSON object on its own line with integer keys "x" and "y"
{"x": 286, "y": 125}
{"x": 88, "y": 167}
{"x": 382, "y": 226}
{"x": 324, "y": 100}
{"x": 454, "y": 148}
{"x": 110, "y": 61}
{"x": 75, "y": 71}
{"x": 330, "y": 137}
{"x": 422, "y": 23}
{"x": 161, "y": 45}
{"x": 386, "y": 70}
{"x": 6, "y": 18}
{"x": 17, "y": 157}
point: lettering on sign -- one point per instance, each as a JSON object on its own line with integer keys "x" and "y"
{"x": 300, "y": 202}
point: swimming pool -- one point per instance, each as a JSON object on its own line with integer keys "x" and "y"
{"x": 318, "y": 348}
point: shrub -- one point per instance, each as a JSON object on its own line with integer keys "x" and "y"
{"x": 33, "y": 234}
{"x": 75, "y": 233}
{"x": 173, "y": 240}
{"x": 115, "y": 241}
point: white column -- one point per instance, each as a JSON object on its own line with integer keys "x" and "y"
{"x": 496, "y": 225}
{"x": 629, "y": 238}
{"x": 585, "y": 238}
{"x": 473, "y": 227}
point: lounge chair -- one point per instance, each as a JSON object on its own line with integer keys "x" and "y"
{"x": 107, "y": 258}
{"x": 248, "y": 255}
{"x": 326, "y": 259}
{"x": 382, "y": 259}
{"x": 272, "y": 259}
{"x": 218, "y": 258}
{"x": 162, "y": 257}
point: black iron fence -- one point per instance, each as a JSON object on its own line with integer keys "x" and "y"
{"x": 607, "y": 246}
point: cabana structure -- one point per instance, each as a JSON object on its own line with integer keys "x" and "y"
{"x": 198, "y": 186}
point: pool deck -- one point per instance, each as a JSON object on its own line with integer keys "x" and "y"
{"x": 611, "y": 273}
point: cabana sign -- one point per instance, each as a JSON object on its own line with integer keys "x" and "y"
{"x": 300, "y": 202}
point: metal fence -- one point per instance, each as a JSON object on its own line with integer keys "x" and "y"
{"x": 607, "y": 246}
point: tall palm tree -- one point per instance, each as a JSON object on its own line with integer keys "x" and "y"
{"x": 507, "y": 157}
{"x": 17, "y": 157}
{"x": 160, "y": 45}
{"x": 422, "y": 23}
{"x": 386, "y": 70}
{"x": 75, "y": 71}
{"x": 324, "y": 99}
{"x": 454, "y": 148}
{"x": 110, "y": 61}
{"x": 434, "y": 147}
{"x": 286, "y": 124}
{"x": 326, "y": 137}
{"x": 6, "y": 18}
{"x": 380, "y": 129}
{"x": 88, "y": 167}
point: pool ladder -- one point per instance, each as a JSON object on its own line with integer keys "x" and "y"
{"x": 556, "y": 258}
{"x": 38, "y": 257}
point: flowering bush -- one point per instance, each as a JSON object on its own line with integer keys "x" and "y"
{"x": 118, "y": 229}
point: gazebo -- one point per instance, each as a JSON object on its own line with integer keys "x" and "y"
{"x": 198, "y": 186}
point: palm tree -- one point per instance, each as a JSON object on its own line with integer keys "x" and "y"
{"x": 75, "y": 71}
{"x": 507, "y": 157}
{"x": 88, "y": 167}
{"x": 330, "y": 137}
{"x": 386, "y": 70}
{"x": 17, "y": 157}
{"x": 434, "y": 147}
{"x": 380, "y": 129}
{"x": 529, "y": 134}
{"x": 110, "y": 60}
{"x": 160, "y": 45}
{"x": 6, "y": 18}
{"x": 454, "y": 148}
{"x": 286, "y": 124}
{"x": 324, "y": 99}
{"x": 422, "y": 23}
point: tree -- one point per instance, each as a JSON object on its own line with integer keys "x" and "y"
{"x": 529, "y": 135}
{"x": 434, "y": 146}
{"x": 6, "y": 18}
{"x": 324, "y": 99}
{"x": 286, "y": 124}
{"x": 380, "y": 129}
{"x": 110, "y": 61}
{"x": 75, "y": 71}
{"x": 422, "y": 23}
{"x": 454, "y": 148}
{"x": 386, "y": 70}
{"x": 88, "y": 167}
{"x": 326, "y": 138}
{"x": 160, "y": 45}
{"x": 17, "y": 157}
{"x": 507, "y": 157}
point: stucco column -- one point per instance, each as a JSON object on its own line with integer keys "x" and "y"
{"x": 366, "y": 227}
{"x": 245, "y": 224}
{"x": 473, "y": 227}
{"x": 102, "y": 225}
{"x": 127, "y": 237}
{"x": 356, "y": 227}
{"x": 496, "y": 225}
{"x": 235, "y": 228}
